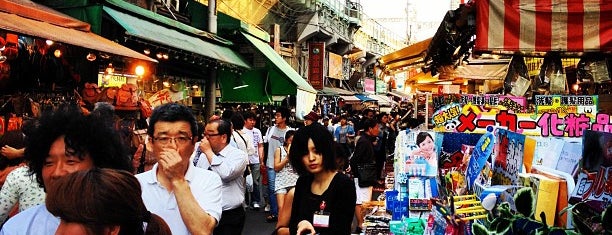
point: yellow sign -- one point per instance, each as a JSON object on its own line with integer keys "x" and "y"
{"x": 112, "y": 80}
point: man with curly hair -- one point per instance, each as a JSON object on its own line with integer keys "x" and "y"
{"x": 65, "y": 141}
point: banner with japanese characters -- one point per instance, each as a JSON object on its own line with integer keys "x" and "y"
{"x": 553, "y": 116}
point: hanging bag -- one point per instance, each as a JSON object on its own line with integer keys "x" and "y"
{"x": 366, "y": 173}
{"x": 126, "y": 96}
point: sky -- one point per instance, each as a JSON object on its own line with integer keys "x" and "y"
{"x": 424, "y": 11}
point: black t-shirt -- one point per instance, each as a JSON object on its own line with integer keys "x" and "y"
{"x": 340, "y": 198}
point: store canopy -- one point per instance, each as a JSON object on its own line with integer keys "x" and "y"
{"x": 364, "y": 98}
{"x": 335, "y": 91}
{"x": 383, "y": 100}
{"x": 282, "y": 67}
{"x": 406, "y": 56}
{"x": 168, "y": 36}
{"x": 350, "y": 99}
{"x": 26, "y": 17}
{"x": 398, "y": 94}
{"x": 542, "y": 26}
{"x": 483, "y": 70}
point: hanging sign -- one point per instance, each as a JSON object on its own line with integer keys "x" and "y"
{"x": 316, "y": 58}
{"x": 474, "y": 117}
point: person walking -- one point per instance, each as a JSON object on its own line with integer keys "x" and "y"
{"x": 345, "y": 134}
{"x": 275, "y": 137}
{"x": 285, "y": 175}
{"x": 364, "y": 154}
{"x": 256, "y": 158}
{"x": 229, "y": 162}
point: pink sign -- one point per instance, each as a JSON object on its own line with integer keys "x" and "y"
{"x": 369, "y": 85}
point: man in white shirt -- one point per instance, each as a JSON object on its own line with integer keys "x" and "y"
{"x": 254, "y": 159}
{"x": 229, "y": 163}
{"x": 186, "y": 197}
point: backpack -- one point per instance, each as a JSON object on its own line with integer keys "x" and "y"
{"x": 127, "y": 96}
{"x": 91, "y": 92}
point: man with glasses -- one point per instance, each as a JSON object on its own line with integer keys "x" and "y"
{"x": 186, "y": 197}
{"x": 217, "y": 155}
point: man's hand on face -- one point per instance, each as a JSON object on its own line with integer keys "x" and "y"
{"x": 205, "y": 145}
{"x": 170, "y": 162}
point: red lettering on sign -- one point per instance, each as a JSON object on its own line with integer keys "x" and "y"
{"x": 483, "y": 123}
{"x": 506, "y": 119}
{"x": 466, "y": 122}
{"x": 527, "y": 125}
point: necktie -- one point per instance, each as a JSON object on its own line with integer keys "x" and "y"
{"x": 197, "y": 156}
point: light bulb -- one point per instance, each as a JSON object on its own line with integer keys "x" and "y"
{"x": 159, "y": 55}
{"x": 165, "y": 56}
{"x": 57, "y": 53}
{"x": 166, "y": 84}
{"x": 147, "y": 51}
{"x": 49, "y": 42}
{"x": 140, "y": 70}
{"x": 91, "y": 56}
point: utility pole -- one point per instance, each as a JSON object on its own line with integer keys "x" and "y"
{"x": 210, "y": 94}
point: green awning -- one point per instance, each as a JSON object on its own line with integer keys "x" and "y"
{"x": 167, "y": 36}
{"x": 282, "y": 67}
{"x": 254, "y": 93}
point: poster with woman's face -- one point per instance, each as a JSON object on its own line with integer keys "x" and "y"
{"x": 423, "y": 155}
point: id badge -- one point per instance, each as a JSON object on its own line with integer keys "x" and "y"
{"x": 320, "y": 219}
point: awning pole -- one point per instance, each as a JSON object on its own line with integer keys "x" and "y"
{"x": 211, "y": 82}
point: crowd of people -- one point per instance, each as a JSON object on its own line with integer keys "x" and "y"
{"x": 77, "y": 176}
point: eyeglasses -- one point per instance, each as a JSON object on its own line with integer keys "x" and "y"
{"x": 209, "y": 135}
{"x": 179, "y": 140}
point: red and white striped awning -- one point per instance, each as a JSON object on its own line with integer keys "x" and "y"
{"x": 544, "y": 25}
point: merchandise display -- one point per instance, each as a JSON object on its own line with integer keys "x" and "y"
{"x": 477, "y": 181}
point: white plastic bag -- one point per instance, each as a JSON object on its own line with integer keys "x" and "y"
{"x": 249, "y": 182}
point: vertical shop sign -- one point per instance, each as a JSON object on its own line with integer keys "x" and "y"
{"x": 316, "y": 58}
{"x": 335, "y": 66}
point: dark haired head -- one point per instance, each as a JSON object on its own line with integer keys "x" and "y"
{"x": 368, "y": 123}
{"x": 172, "y": 112}
{"x": 422, "y": 136}
{"x": 237, "y": 121}
{"x": 104, "y": 111}
{"x": 103, "y": 198}
{"x": 223, "y": 128}
{"x": 84, "y": 135}
{"x": 227, "y": 114}
{"x": 288, "y": 135}
{"x": 247, "y": 115}
{"x": 284, "y": 112}
{"x": 380, "y": 116}
{"x": 323, "y": 142}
